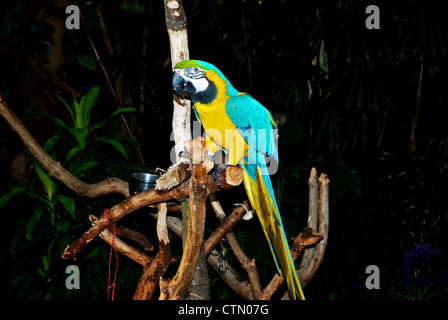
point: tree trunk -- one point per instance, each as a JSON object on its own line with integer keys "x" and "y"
{"x": 176, "y": 23}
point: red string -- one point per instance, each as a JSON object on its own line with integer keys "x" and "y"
{"x": 112, "y": 249}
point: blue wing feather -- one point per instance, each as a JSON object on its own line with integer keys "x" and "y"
{"x": 256, "y": 125}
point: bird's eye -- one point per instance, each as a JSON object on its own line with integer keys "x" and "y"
{"x": 194, "y": 72}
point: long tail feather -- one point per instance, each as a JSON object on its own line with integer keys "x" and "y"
{"x": 261, "y": 196}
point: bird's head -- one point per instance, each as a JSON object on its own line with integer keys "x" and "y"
{"x": 189, "y": 77}
{"x": 200, "y": 79}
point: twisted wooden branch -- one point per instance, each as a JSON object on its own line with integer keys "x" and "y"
{"x": 177, "y": 287}
{"x": 230, "y": 177}
{"x": 154, "y": 270}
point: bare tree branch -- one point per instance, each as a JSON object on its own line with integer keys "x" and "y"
{"x": 225, "y": 226}
{"x": 121, "y": 246}
{"x": 153, "y": 271}
{"x": 178, "y": 285}
{"x": 230, "y": 177}
{"x": 313, "y": 216}
{"x": 231, "y": 277}
{"x": 310, "y": 270}
{"x": 247, "y": 264}
{"x": 135, "y": 237}
{"x": 54, "y": 169}
{"x": 307, "y": 237}
{"x": 176, "y": 23}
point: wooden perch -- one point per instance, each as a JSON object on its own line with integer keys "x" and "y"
{"x": 176, "y": 24}
{"x": 154, "y": 270}
{"x": 122, "y": 247}
{"x": 175, "y": 175}
{"x": 54, "y": 169}
{"x": 220, "y": 214}
{"x": 318, "y": 217}
{"x": 247, "y": 264}
{"x": 225, "y": 229}
{"x": 313, "y": 216}
{"x": 177, "y": 287}
{"x": 310, "y": 267}
{"x": 317, "y": 214}
{"x": 135, "y": 237}
{"x": 225, "y": 226}
{"x": 231, "y": 277}
{"x": 307, "y": 237}
{"x": 230, "y": 177}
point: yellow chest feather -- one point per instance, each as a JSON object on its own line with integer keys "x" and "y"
{"x": 218, "y": 126}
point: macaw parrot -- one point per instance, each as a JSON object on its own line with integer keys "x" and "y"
{"x": 244, "y": 129}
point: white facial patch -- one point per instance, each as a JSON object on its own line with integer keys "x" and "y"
{"x": 196, "y": 77}
{"x": 200, "y": 84}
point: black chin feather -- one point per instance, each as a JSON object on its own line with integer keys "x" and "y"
{"x": 206, "y": 96}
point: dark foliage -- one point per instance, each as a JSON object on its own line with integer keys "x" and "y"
{"x": 349, "y": 95}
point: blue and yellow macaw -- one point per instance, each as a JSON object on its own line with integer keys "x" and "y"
{"x": 240, "y": 125}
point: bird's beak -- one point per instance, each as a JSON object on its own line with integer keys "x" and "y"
{"x": 181, "y": 85}
{"x": 178, "y": 83}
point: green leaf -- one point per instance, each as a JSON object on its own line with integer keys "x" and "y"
{"x": 87, "y": 61}
{"x": 77, "y": 111}
{"x": 44, "y": 198}
{"x": 113, "y": 142}
{"x": 16, "y": 280}
{"x": 39, "y": 196}
{"x": 85, "y": 167}
{"x": 40, "y": 272}
{"x": 50, "y": 247}
{"x": 69, "y": 156}
{"x": 85, "y": 107}
{"x": 68, "y": 203}
{"x": 47, "y": 183}
{"x": 66, "y": 105}
{"x": 4, "y": 200}
{"x": 81, "y": 136}
{"x": 57, "y": 122}
{"x": 121, "y": 110}
{"x": 95, "y": 253}
{"x": 131, "y": 140}
{"x": 49, "y": 144}
{"x": 33, "y": 221}
{"x": 62, "y": 226}
{"x": 45, "y": 262}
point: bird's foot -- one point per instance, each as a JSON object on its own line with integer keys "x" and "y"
{"x": 211, "y": 156}
{"x": 217, "y": 173}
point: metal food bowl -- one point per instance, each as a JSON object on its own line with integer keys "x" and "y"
{"x": 141, "y": 181}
